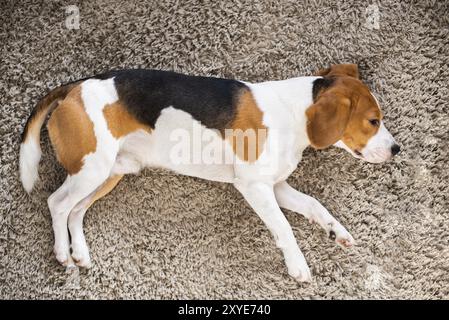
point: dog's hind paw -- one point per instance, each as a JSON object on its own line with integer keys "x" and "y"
{"x": 80, "y": 255}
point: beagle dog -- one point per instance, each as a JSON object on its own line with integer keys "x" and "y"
{"x": 249, "y": 134}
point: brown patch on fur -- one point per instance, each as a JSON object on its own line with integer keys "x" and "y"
{"x": 346, "y": 69}
{"x": 327, "y": 120}
{"x": 120, "y": 121}
{"x": 104, "y": 189}
{"x": 72, "y": 132}
{"x": 33, "y": 128}
{"x": 40, "y": 112}
{"x": 343, "y": 111}
{"x": 248, "y": 133}
{"x": 359, "y": 130}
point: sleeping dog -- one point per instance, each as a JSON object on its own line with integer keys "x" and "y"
{"x": 249, "y": 134}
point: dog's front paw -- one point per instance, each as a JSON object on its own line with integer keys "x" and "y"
{"x": 300, "y": 272}
{"x": 341, "y": 236}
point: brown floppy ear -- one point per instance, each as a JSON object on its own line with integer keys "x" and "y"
{"x": 327, "y": 119}
{"x": 347, "y": 69}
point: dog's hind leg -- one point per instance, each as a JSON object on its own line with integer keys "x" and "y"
{"x": 86, "y": 147}
{"x": 80, "y": 250}
{"x": 62, "y": 201}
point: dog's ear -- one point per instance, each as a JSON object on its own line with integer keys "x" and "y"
{"x": 327, "y": 119}
{"x": 348, "y": 69}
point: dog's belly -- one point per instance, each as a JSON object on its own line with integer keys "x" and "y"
{"x": 178, "y": 143}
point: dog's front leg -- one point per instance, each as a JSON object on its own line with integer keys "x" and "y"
{"x": 261, "y": 198}
{"x": 293, "y": 200}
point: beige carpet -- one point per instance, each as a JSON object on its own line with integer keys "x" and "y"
{"x": 159, "y": 235}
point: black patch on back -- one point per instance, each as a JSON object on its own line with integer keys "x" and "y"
{"x": 321, "y": 84}
{"x": 145, "y": 93}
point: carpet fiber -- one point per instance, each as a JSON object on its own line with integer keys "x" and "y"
{"x": 160, "y": 235}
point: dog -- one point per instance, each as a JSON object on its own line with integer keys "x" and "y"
{"x": 120, "y": 122}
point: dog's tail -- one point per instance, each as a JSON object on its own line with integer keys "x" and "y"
{"x": 30, "y": 150}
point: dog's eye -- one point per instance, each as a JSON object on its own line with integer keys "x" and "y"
{"x": 374, "y": 122}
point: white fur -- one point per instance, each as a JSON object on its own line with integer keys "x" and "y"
{"x": 293, "y": 200}
{"x": 378, "y": 148}
{"x": 30, "y": 155}
{"x": 164, "y": 139}
{"x": 261, "y": 198}
{"x": 96, "y": 94}
{"x": 283, "y": 104}
{"x": 262, "y": 183}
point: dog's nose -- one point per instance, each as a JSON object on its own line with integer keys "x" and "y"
{"x": 395, "y": 149}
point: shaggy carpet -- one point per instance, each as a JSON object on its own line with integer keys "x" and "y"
{"x": 160, "y": 235}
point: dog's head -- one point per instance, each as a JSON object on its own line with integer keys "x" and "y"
{"x": 346, "y": 114}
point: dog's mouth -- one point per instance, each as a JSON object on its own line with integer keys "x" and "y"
{"x": 376, "y": 155}
{"x": 357, "y": 154}
{"x": 373, "y": 155}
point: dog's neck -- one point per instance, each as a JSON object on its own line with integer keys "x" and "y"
{"x": 288, "y": 99}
